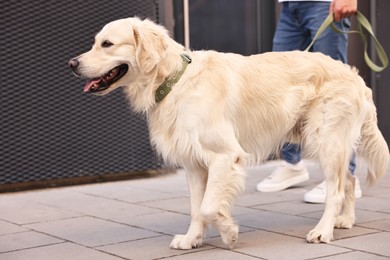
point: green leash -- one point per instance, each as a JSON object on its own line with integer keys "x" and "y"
{"x": 361, "y": 22}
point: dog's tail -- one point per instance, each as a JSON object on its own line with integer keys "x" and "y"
{"x": 373, "y": 146}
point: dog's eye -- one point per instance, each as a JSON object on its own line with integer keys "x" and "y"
{"x": 107, "y": 44}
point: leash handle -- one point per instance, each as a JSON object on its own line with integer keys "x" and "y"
{"x": 361, "y": 22}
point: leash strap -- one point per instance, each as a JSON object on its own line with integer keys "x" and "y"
{"x": 361, "y": 22}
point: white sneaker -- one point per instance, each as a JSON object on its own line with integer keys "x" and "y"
{"x": 318, "y": 193}
{"x": 283, "y": 177}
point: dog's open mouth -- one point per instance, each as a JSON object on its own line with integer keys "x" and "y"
{"x": 102, "y": 83}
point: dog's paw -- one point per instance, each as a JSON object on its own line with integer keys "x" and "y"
{"x": 230, "y": 236}
{"x": 184, "y": 242}
{"x": 343, "y": 221}
{"x": 317, "y": 236}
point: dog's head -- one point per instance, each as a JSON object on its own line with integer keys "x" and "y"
{"x": 123, "y": 50}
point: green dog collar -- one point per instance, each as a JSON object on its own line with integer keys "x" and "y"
{"x": 166, "y": 86}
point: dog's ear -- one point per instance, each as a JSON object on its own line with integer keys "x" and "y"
{"x": 150, "y": 46}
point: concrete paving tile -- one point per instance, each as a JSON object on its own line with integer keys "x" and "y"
{"x": 165, "y": 222}
{"x": 385, "y": 182}
{"x": 24, "y": 212}
{"x": 182, "y": 205}
{"x": 355, "y": 256}
{"x": 24, "y": 240}
{"x": 90, "y": 231}
{"x": 355, "y": 231}
{"x": 295, "y": 225}
{"x": 127, "y": 193}
{"x": 362, "y": 216}
{"x": 271, "y": 246}
{"x": 337, "y": 233}
{"x": 177, "y": 184}
{"x": 97, "y": 206}
{"x": 377, "y": 192}
{"x": 238, "y": 211}
{"x": 9, "y": 228}
{"x": 277, "y": 222}
{"x": 179, "y": 205}
{"x": 21, "y": 196}
{"x": 39, "y": 196}
{"x": 295, "y": 207}
{"x": 253, "y": 199}
{"x": 383, "y": 225}
{"x": 149, "y": 248}
{"x": 63, "y": 251}
{"x": 373, "y": 204}
{"x": 123, "y": 219}
{"x": 377, "y": 243}
{"x": 215, "y": 254}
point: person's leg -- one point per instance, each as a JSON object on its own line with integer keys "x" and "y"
{"x": 329, "y": 42}
{"x": 333, "y": 44}
{"x": 299, "y": 22}
{"x": 291, "y": 153}
{"x": 288, "y": 37}
{"x": 292, "y": 171}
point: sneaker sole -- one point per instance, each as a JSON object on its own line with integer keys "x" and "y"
{"x": 321, "y": 199}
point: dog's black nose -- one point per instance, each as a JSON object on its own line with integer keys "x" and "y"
{"x": 73, "y": 64}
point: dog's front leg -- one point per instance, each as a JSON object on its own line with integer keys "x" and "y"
{"x": 226, "y": 179}
{"x": 197, "y": 180}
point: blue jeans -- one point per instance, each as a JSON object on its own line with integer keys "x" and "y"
{"x": 298, "y": 24}
{"x": 292, "y": 153}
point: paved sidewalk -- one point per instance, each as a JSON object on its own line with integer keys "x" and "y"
{"x": 136, "y": 219}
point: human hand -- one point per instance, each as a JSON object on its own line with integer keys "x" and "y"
{"x": 343, "y": 8}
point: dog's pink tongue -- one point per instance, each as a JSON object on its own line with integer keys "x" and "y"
{"x": 89, "y": 84}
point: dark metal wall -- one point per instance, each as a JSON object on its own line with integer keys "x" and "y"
{"x": 381, "y": 81}
{"x": 49, "y": 128}
{"x": 377, "y": 11}
{"x": 244, "y": 27}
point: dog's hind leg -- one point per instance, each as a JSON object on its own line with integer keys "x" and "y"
{"x": 347, "y": 217}
{"x": 334, "y": 166}
{"x": 197, "y": 180}
{"x": 226, "y": 179}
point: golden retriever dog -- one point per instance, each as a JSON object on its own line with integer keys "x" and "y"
{"x": 213, "y": 114}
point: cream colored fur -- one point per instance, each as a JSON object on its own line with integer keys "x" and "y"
{"x": 229, "y": 111}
